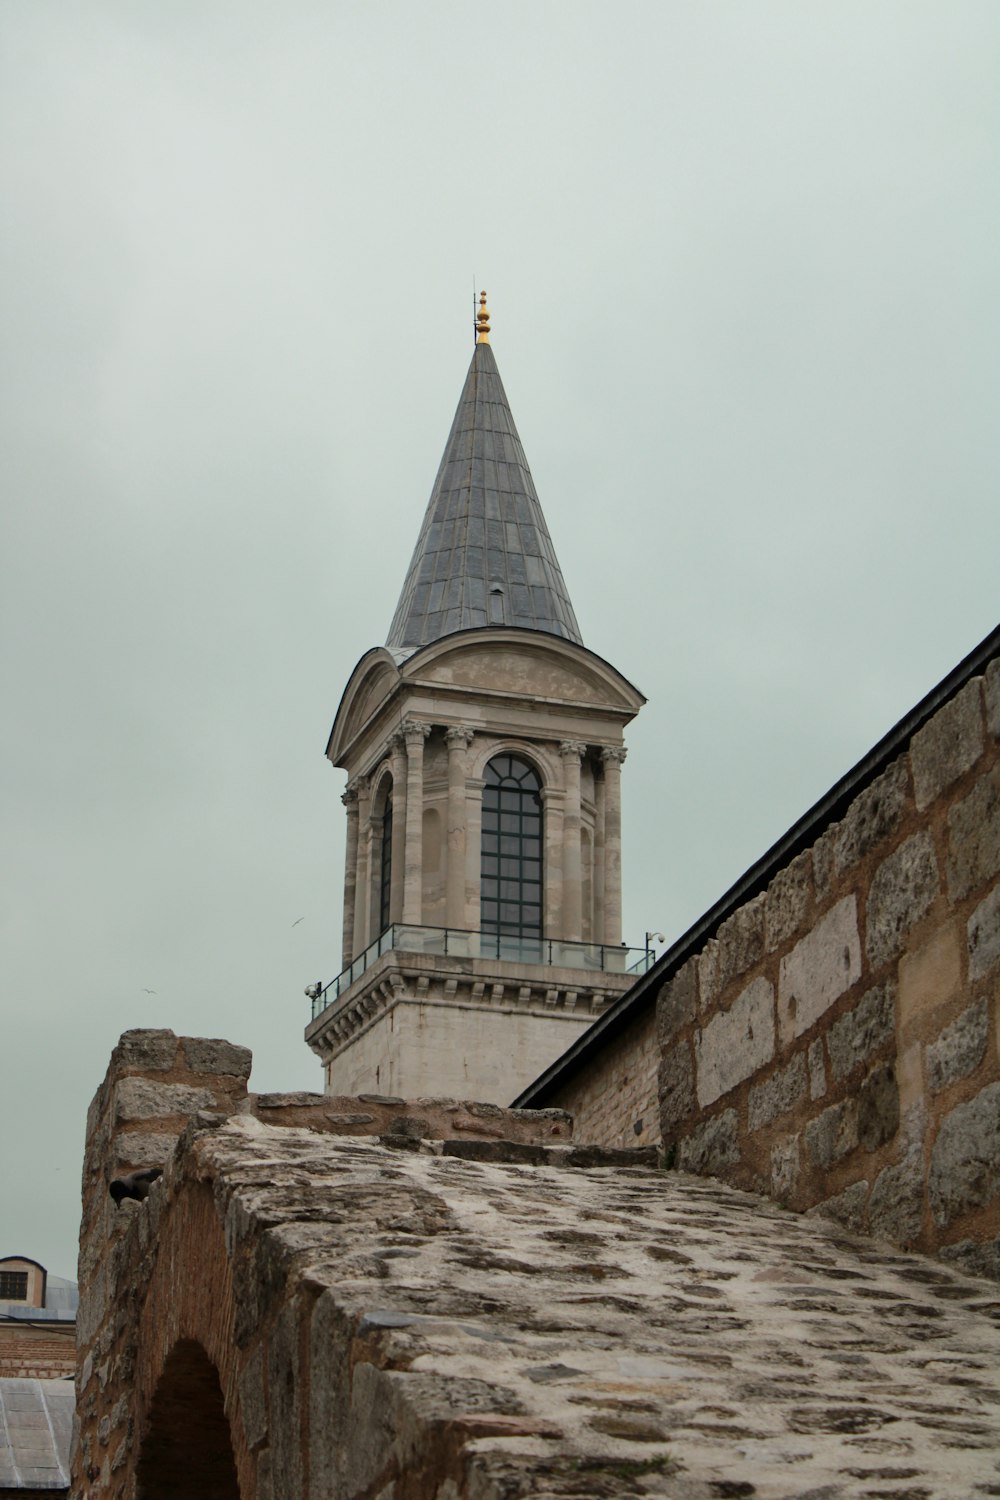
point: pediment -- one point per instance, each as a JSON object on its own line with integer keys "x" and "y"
{"x": 372, "y": 682}
{"x": 526, "y": 664}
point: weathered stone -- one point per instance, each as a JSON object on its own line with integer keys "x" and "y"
{"x": 833, "y": 1134}
{"x": 959, "y": 1049}
{"x": 778, "y": 1094}
{"x": 676, "y": 1086}
{"x": 822, "y": 862}
{"x": 711, "y": 1147}
{"x": 965, "y": 1161}
{"x": 741, "y": 941}
{"x": 736, "y": 1042}
{"x": 847, "y": 1208}
{"x": 136, "y": 1149}
{"x": 677, "y": 1002}
{"x": 785, "y": 1168}
{"x": 946, "y": 747}
{"x": 294, "y": 1100}
{"x": 874, "y": 815}
{"x": 974, "y": 837}
{"x": 145, "y": 1052}
{"x": 855, "y": 1036}
{"x": 347, "y": 1121}
{"x": 214, "y": 1056}
{"x": 708, "y": 974}
{"x": 928, "y": 978}
{"x": 817, "y": 1069}
{"x": 141, "y": 1099}
{"x": 978, "y": 1257}
{"x": 878, "y": 1107}
{"x": 821, "y": 966}
{"x": 902, "y": 891}
{"x": 984, "y": 935}
{"x": 896, "y": 1205}
{"x": 991, "y": 692}
{"x": 786, "y": 901}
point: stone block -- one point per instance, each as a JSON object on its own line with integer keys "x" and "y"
{"x": 216, "y": 1057}
{"x": 821, "y": 966}
{"x": 677, "y": 1002}
{"x": 785, "y": 1168}
{"x": 902, "y": 891}
{"x": 965, "y": 1161}
{"x": 974, "y": 837}
{"x": 854, "y": 1037}
{"x": 822, "y": 862}
{"x": 910, "y": 1075}
{"x": 786, "y": 902}
{"x": 146, "y": 1051}
{"x": 833, "y": 1134}
{"x": 712, "y": 1147}
{"x": 977, "y": 1257}
{"x": 948, "y": 745}
{"x": 675, "y": 1086}
{"x": 991, "y": 693}
{"x": 984, "y": 935}
{"x": 708, "y": 974}
{"x": 874, "y": 815}
{"x": 778, "y": 1094}
{"x": 741, "y": 941}
{"x": 142, "y": 1099}
{"x": 878, "y": 1108}
{"x": 817, "y": 1069}
{"x": 959, "y": 1049}
{"x": 896, "y": 1205}
{"x": 929, "y": 977}
{"x": 136, "y": 1149}
{"x": 847, "y": 1208}
{"x": 736, "y": 1042}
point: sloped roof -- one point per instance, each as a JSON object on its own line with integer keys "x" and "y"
{"x": 36, "y": 1418}
{"x": 484, "y": 555}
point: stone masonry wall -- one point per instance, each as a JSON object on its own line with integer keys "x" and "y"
{"x": 617, "y": 1103}
{"x": 837, "y": 1043}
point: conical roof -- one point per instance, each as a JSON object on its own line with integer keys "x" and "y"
{"x": 484, "y": 555}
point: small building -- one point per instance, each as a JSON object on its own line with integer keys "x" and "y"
{"x": 37, "y": 1364}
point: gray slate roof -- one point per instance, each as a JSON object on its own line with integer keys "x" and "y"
{"x": 483, "y": 530}
{"x": 36, "y": 1423}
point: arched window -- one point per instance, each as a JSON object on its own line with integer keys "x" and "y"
{"x": 511, "y": 870}
{"x": 385, "y": 892}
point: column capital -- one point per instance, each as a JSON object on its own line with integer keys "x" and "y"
{"x": 613, "y": 755}
{"x": 570, "y": 748}
{"x": 414, "y": 730}
{"x": 459, "y": 735}
{"x": 396, "y": 741}
{"x": 349, "y": 796}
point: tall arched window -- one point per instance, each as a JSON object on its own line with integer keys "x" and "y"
{"x": 511, "y": 871}
{"x": 385, "y": 892}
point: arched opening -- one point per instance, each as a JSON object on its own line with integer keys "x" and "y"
{"x": 511, "y": 862}
{"x": 385, "y": 878}
{"x": 187, "y": 1452}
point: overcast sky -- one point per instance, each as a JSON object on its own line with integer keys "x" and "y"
{"x": 742, "y": 265}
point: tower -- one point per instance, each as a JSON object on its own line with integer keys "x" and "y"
{"x": 483, "y": 748}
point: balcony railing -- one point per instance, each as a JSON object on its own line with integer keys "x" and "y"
{"x": 459, "y": 944}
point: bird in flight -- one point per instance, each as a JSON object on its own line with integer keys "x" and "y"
{"x": 149, "y": 992}
{"x": 297, "y": 921}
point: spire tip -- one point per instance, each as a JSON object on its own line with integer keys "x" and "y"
{"x": 482, "y": 321}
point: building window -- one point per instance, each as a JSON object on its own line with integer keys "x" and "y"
{"x": 511, "y": 871}
{"x": 13, "y": 1286}
{"x": 385, "y": 894}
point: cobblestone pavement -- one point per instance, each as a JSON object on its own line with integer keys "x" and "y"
{"x": 657, "y": 1333}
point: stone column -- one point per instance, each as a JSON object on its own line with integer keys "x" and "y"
{"x": 458, "y": 739}
{"x": 597, "y": 927}
{"x": 552, "y": 869}
{"x": 612, "y": 756}
{"x": 397, "y": 764}
{"x": 572, "y": 751}
{"x": 413, "y": 860}
{"x": 361, "y": 867}
{"x": 350, "y": 801}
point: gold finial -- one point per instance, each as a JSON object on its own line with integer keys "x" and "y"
{"x": 482, "y": 321}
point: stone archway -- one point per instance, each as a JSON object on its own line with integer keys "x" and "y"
{"x": 187, "y": 1451}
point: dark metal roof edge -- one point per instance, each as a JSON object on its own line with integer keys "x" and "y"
{"x": 800, "y": 836}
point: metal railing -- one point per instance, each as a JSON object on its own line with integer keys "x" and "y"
{"x": 457, "y": 943}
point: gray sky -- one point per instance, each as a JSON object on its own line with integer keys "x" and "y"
{"x": 742, "y": 265}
